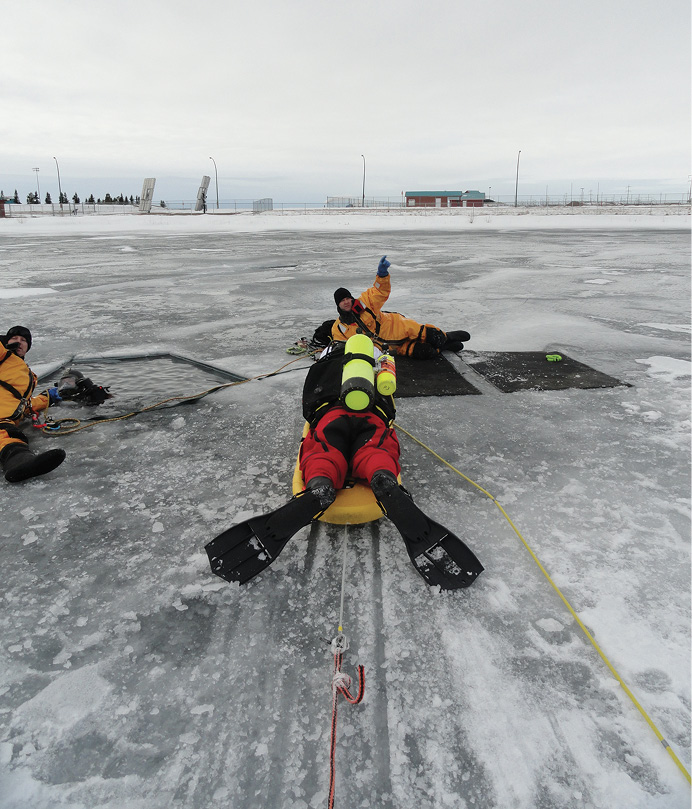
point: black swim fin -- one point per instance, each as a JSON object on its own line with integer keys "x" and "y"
{"x": 246, "y": 549}
{"x": 438, "y": 555}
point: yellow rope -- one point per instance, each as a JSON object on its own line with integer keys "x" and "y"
{"x": 626, "y": 689}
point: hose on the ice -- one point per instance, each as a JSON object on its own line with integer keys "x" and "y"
{"x": 601, "y": 653}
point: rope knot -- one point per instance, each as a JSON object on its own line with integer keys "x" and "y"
{"x": 340, "y": 681}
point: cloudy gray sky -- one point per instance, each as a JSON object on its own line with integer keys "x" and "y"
{"x": 286, "y": 95}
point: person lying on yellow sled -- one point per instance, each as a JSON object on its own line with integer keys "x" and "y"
{"x": 351, "y": 435}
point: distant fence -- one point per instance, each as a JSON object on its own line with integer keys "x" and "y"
{"x": 66, "y": 209}
{"x": 603, "y": 203}
{"x": 524, "y": 201}
{"x": 367, "y": 202}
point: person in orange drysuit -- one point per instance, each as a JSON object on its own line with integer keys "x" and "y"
{"x": 17, "y": 401}
{"x": 402, "y": 334}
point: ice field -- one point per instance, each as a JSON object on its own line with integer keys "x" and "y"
{"x": 132, "y": 678}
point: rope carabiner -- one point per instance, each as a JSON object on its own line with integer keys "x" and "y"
{"x": 341, "y": 684}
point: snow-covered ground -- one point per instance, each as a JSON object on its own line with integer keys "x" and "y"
{"x": 327, "y": 220}
{"x": 131, "y": 677}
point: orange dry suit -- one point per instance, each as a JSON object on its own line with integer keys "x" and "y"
{"x": 400, "y": 333}
{"x": 17, "y": 385}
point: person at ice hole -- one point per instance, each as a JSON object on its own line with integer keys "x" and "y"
{"x": 350, "y": 434}
{"x": 17, "y": 401}
{"x": 403, "y": 335}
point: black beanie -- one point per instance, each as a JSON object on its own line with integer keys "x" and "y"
{"x": 340, "y": 294}
{"x": 19, "y": 331}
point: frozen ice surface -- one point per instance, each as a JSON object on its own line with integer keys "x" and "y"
{"x": 130, "y": 676}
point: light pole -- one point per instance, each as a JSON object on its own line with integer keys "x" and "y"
{"x": 59, "y": 186}
{"x": 363, "y": 156}
{"x": 216, "y": 175}
{"x": 516, "y": 186}
{"x": 37, "y": 185}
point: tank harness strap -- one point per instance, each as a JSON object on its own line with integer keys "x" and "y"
{"x": 353, "y": 356}
{"x": 397, "y": 342}
{"x": 23, "y": 400}
{"x": 366, "y": 330}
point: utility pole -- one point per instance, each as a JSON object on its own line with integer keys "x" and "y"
{"x": 59, "y": 186}
{"x": 37, "y": 184}
{"x": 363, "y": 156}
{"x": 216, "y": 175}
{"x": 516, "y": 186}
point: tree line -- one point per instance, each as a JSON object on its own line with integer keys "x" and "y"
{"x": 33, "y": 199}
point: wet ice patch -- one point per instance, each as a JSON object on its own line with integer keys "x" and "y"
{"x": 598, "y": 281}
{"x": 667, "y": 368}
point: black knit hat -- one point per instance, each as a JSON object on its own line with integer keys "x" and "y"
{"x": 19, "y": 331}
{"x": 340, "y": 294}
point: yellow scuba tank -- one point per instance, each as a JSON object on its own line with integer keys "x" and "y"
{"x": 358, "y": 375}
{"x": 386, "y": 375}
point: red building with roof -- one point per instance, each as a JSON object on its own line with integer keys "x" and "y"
{"x": 445, "y": 199}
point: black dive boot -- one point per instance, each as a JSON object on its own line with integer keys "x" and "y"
{"x": 438, "y": 555}
{"x": 456, "y": 340}
{"x": 246, "y": 549}
{"x": 19, "y": 462}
